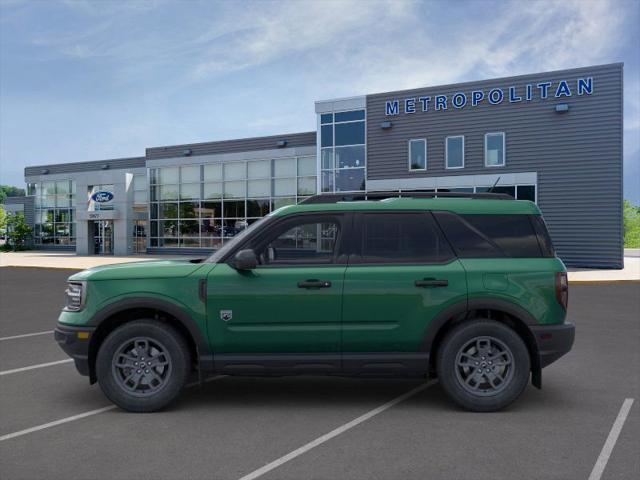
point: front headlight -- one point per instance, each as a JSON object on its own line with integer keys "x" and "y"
{"x": 74, "y": 295}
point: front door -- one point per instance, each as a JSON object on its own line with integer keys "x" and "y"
{"x": 287, "y": 310}
{"x": 103, "y": 237}
{"x": 403, "y": 274}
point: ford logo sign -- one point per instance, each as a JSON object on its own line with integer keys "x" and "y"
{"x": 102, "y": 197}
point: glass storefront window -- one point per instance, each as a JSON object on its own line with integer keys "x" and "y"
{"x": 213, "y": 190}
{"x": 235, "y": 171}
{"x": 259, "y": 188}
{"x": 215, "y": 196}
{"x": 189, "y": 191}
{"x": 234, "y": 189}
{"x": 213, "y": 172}
{"x": 54, "y": 212}
{"x": 284, "y": 187}
{"x": 350, "y": 180}
{"x": 190, "y": 174}
{"x": 350, "y": 157}
{"x": 168, "y": 175}
{"x": 259, "y": 169}
{"x": 284, "y": 167}
{"x": 306, "y": 166}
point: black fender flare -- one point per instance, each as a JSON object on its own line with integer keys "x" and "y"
{"x": 464, "y": 307}
{"x": 203, "y": 352}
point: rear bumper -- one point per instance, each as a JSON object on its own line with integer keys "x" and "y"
{"x": 74, "y": 345}
{"x": 553, "y": 341}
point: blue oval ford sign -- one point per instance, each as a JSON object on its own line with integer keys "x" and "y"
{"x": 102, "y": 197}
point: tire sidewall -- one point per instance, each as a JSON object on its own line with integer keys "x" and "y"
{"x": 460, "y": 336}
{"x": 176, "y": 349}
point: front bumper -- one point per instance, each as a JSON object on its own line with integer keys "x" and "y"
{"x": 553, "y": 341}
{"x": 75, "y": 343}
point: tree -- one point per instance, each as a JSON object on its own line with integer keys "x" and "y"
{"x": 17, "y": 231}
{"x": 631, "y": 225}
{"x": 10, "y": 191}
{"x": 3, "y": 218}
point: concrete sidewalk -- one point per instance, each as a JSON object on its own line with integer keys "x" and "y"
{"x": 49, "y": 259}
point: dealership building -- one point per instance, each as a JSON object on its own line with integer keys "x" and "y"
{"x": 554, "y": 138}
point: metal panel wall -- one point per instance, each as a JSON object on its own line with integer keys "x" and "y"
{"x": 577, "y": 155}
{"x": 97, "y": 165}
{"x": 231, "y": 146}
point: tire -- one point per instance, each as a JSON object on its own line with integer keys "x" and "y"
{"x": 143, "y": 365}
{"x": 483, "y": 365}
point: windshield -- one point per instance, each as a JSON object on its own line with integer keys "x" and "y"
{"x": 231, "y": 244}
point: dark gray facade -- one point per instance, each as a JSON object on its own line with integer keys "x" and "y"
{"x": 576, "y": 155}
{"x": 290, "y": 140}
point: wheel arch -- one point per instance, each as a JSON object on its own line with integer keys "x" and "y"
{"x": 502, "y": 311}
{"x": 126, "y": 310}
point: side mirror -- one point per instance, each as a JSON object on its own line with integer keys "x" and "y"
{"x": 245, "y": 260}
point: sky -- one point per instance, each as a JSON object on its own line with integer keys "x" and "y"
{"x": 88, "y": 80}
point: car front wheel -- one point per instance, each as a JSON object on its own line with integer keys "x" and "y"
{"x": 483, "y": 365}
{"x": 143, "y": 365}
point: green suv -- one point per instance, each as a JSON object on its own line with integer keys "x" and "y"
{"x": 467, "y": 290}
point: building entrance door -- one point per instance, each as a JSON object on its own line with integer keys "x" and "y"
{"x": 103, "y": 237}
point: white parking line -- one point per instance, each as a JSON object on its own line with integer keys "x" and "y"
{"x": 90, "y": 413}
{"x": 601, "y": 463}
{"x": 24, "y": 335}
{"x": 32, "y": 367}
{"x": 334, "y": 433}
{"x": 56, "y": 422}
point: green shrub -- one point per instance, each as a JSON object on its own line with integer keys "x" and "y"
{"x": 631, "y": 225}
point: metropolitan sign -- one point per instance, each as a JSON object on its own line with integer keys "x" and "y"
{"x": 494, "y": 96}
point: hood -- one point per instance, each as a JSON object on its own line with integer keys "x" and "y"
{"x": 140, "y": 270}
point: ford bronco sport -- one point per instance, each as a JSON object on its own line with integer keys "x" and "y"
{"x": 468, "y": 290}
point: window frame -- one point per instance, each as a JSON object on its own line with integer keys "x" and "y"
{"x": 356, "y": 258}
{"x": 277, "y": 226}
{"x": 446, "y": 152}
{"x": 504, "y": 149}
{"x": 426, "y": 163}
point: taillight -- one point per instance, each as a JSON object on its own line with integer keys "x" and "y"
{"x": 562, "y": 289}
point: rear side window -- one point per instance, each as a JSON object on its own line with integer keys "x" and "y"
{"x": 543, "y": 236}
{"x": 402, "y": 238}
{"x": 488, "y": 236}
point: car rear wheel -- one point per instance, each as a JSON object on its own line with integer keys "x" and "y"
{"x": 143, "y": 365}
{"x": 483, "y": 365}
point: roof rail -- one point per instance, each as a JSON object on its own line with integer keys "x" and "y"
{"x": 353, "y": 197}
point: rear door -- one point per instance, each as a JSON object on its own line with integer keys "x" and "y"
{"x": 402, "y": 274}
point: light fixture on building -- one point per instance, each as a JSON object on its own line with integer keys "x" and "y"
{"x": 386, "y": 125}
{"x": 44, "y": 171}
{"x": 282, "y": 143}
{"x": 187, "y": 151}
{"x": 105, "y": 166}
{"x": 562, "y": 108}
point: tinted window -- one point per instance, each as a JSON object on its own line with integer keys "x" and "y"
{"x": 543, "y": 236}
{"x": 527, "y": 192}
{"x": 349, "y": 116}
{"x": 306, "y": 241}
{"x": 350, "y": 133}
{"x": 478, "y": 236}
{"x": 402, "y": 238}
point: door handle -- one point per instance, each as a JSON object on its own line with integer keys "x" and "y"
{"x": 431, "y": 282}
{"x": 314, "y": 284}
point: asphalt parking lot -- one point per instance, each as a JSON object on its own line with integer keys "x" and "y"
{"x": 318, "y": 428}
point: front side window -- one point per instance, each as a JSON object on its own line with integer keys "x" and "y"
{"x": 455, "y": 152}
{"x": 306, "y": 241}
{"x": 402, "y": 238}
{"x": 418, "y": 154}
{"x": 494, "y": 146}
